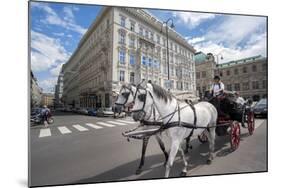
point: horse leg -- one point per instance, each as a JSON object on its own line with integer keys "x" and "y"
{"x": 172, "y": 155}
{"x": 184, "y": 171}
{"x": 162, "y": 146}
{"x": 211, "y": 138}
{"x": 144, "y": 146}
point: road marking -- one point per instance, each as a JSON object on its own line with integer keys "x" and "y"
{"x": 94, "y": 126}
{"x": 64, "y": 130}
{"x": 117, "y": 123}
{"x": 80, "y": 128}
{"x": 125, "y": 121}
{"x": 45, "y": 132}
{"x": 106, "y": 124}
{"x": 258, "y": 122}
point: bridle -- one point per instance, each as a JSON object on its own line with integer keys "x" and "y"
{"x": 125, "y": 95}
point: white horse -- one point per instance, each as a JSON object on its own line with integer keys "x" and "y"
{"x": 125, "y": 99}
{"x": 174, "y": 112}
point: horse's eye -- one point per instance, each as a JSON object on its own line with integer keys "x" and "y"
{"x": 126, "y": 94}
{"x": 141, "y": 97}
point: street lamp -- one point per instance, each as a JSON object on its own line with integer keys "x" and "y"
{"x": 218, "y": 56}
{"x": 167, "y": 37}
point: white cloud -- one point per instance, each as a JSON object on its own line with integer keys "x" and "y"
{"x": 67, "y": 21}
{"x": 235, "y": 29}
{"x": 229, "y": 53}
{"x": 193, "y": 19}
{"x": 46, "y": 52}
{"x": 56, "y": 70}
{"x": 195, "y": 40}
{"x": 48, "y": 85}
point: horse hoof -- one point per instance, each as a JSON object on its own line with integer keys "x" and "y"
{"x": 183, "y": 174}
{"x": 138, "y": 171}
{"x": 209, "y": 161}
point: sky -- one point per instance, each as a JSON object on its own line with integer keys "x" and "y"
{"x": 56, "y": 29}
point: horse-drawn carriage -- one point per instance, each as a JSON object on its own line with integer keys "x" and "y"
{"x": 231, "y": 118}
{"x": 158, "y": 110}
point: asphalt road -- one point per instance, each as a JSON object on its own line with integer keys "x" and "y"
{"x": 82, "y": 149}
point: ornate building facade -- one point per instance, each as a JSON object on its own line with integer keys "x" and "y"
{"x": 126, "y": 45}
{"x": 247, "y": 76}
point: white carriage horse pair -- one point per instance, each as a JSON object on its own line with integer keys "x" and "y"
{"x": 175, "y": 115}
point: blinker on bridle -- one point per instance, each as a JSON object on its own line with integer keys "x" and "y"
{"x": 125, "y": 95}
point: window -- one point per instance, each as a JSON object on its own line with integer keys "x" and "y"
{"x": 146, "y": 33}
{"x": 203, "y": 89}
{"x": 197, "y": 75}
{"x": 143, "y": 60}
{"x": 132, "y": 77}
{"x": 122, "y": 37}
{"x": 156, "y": 64}
{"x": 172, "y": 71}
{"x": 122, "y": 56}
{"x": 158, "y": 39}
{"x": 132, "y": 59}
{"x": 176, "y": 48}
{"x": 264, "y": 84}
{"x": 255, "y": 84}
{"x": 141, "y": 31}
{"x": 132, "y": 27}
{"x": 150, "y": 62}
{"x": 228, "y": 72}
{"x": 229, "y": 87}
{"x": 235, "y": 71}
{"x": 165, "y": 70}
{"x": 246, "y": 86}
{"x": 132, "y": 42}
{"x": 204, "y": 74}
{"x": 122, "y": 21}
{"x": 186, "y": 85}
{"x": 237, "y": 86}
{"x": 264, "y": 66}
{"x": 254, "y": 68}
{"x": 151, "y": 36}
{"x": 172, "y": 84}
{"x": 221, "y": 73}
{"x": 164, "y": 42}
{"x": 122, "y": 76}
{"x": 245, "y": 70}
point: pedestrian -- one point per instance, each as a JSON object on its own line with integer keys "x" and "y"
{"x": 45, "y": 114}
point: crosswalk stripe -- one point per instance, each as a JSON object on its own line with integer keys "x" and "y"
{"x": 106, "y": 124}
{"x": 125, "y": 121}
{"x": 64, "y": 130}
{"x": 117, "y": 123}
{"x": 80, "y": 128}
{"x": 94, "y": 126}
{"x": 45, "y": 132}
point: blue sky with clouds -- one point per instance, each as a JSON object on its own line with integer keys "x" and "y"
{"x": 56, "y": 29}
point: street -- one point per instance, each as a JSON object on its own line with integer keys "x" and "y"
{"x": 80, "y": 149}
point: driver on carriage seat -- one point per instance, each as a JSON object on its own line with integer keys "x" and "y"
{"x": 217, "y": 90}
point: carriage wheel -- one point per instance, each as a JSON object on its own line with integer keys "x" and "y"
{"x": 203, "y": 137}
{"x": 251, "y": 122}
{"x": 234, "y": 135}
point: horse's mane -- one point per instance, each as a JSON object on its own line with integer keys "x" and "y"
{"x": 161, "y": 93}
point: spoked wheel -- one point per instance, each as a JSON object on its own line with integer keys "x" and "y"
{"x": 203, "y": 137}
{"x": 235, "y": 135}
{"x": 251, "y": 122}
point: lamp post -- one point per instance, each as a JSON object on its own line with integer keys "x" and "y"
{"x": 167, "y": 37}
{"x": 218, "y": 56}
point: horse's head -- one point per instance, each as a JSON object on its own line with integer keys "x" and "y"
{"x": 126, "y": 95}
{"x": 143, "y": 102}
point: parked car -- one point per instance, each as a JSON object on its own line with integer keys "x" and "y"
{"x": 92, "y": 112}
{"x": 260, "y": 109}
{"x": 105, "y": 112}
{"x": 82, "y": 111}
